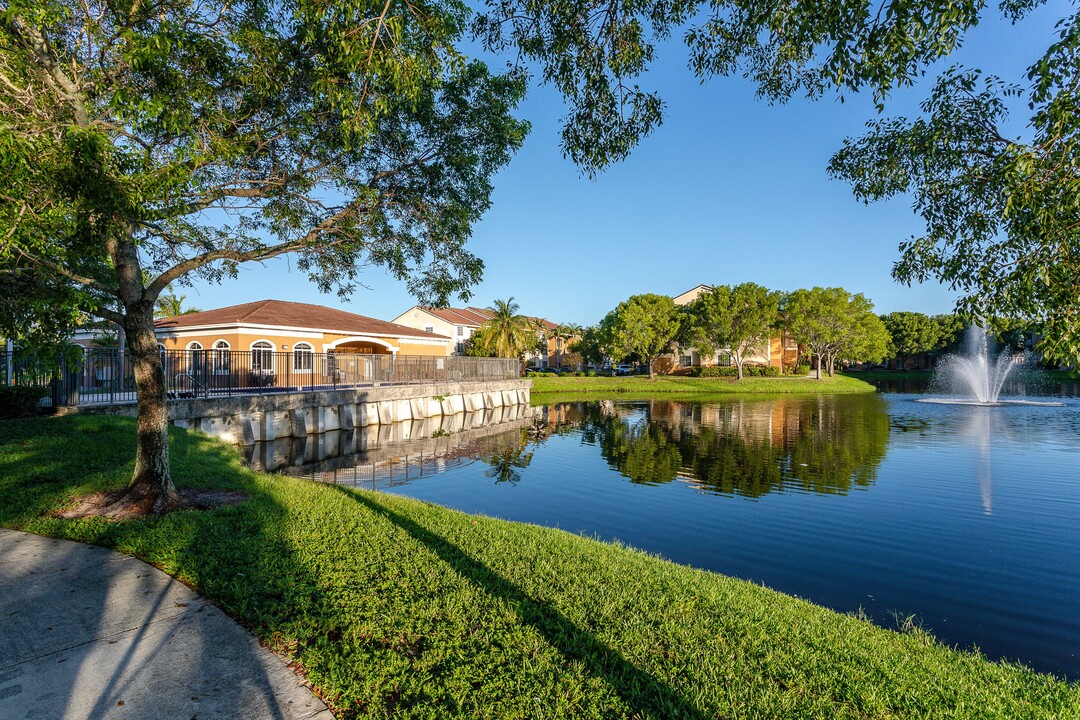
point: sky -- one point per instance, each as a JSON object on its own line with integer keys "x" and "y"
{"x": 729, "y": 189}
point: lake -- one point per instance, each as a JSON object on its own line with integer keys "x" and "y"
{"x": 964, "y": 520}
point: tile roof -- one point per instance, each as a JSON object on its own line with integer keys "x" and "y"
{"x": 474, "y": 316}
{"x": 280, "y": 313}
{"x": 469, "y": 317}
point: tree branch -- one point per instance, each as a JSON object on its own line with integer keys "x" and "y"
{"x": 256, "y": 255}
{"x": 74, "y": 277}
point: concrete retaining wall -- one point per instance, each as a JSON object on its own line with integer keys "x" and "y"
{"x": 264, "y": 418}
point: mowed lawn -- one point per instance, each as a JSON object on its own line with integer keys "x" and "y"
{"x": 397, "y": 608}
{"x": 640, "y": 386}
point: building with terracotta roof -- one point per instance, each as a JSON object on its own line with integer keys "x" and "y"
{"x": 461, "y": 323}
{"x": 781, "y": 350}
{"x": 456, "y": 323}
{"x": 280, "y": 326}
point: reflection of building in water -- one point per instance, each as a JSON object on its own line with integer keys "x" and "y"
{"x": 771, "y": 421}
{"x": 747, "y": 447}
{"x": 381, "y": 455}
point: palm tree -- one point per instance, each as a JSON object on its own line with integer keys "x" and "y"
{"x": 562, "y": 334}
{"x": 171, "y": 305}
{"x": 508, "y": 331}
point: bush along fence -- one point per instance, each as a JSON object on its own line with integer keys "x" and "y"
{"x": 103, "y": 375}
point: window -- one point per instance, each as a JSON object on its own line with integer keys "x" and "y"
{"x": 460, "y": 330}
{"x": 686, "y": 360}
{"x": 723, "y": 359}
{"x": 262, "y": 356}
{"x": 302, "y": 356}
{"x": 194, "y": 345}
{"x": 429, "y": 328}
{"x": 221, "y": 357}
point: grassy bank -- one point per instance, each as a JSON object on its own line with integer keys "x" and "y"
{"x": 641, "y": 387}
{"x": 398, "y": 608}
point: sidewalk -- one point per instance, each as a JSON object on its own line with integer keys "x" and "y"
{"x": 86, "y": 632}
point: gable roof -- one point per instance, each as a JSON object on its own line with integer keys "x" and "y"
{"x": 691, "y": 294}
{"x": 469, "y": 317}
{"x": 474, "y": 316}
{"x": 280, "y": 313}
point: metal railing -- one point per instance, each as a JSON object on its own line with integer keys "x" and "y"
{"x": 103, "y": 375}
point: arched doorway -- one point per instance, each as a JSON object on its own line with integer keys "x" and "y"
{"x": 361, "y": 359}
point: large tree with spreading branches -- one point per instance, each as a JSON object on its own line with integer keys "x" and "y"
{"x": 1000, "y": 209}
{"x": 738, "y": 319}
{"x": 151, "y": 143}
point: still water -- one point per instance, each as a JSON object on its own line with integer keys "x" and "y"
{"x": 964, "y": 519}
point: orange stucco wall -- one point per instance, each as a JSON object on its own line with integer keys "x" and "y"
{"x": 242, "y": 341}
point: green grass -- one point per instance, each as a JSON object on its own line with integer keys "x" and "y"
{"x": 398, "y": 608}
{"x": 641, "y": 387}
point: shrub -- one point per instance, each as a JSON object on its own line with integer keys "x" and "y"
{"x": 731, "y": 371}
{"x": 20, "y": 400}
{"x": 591, "y": 373}
{"x": 801, "y": 369}
{"x": 714, "y": 371}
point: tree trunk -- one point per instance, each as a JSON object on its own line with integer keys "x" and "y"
{"x": 738, "y": 364}
{"x": 151, "y": 485}
{"x": 817, "y": 365}
{"x": 832, "y": 365}
{"x": 650, "y": 361}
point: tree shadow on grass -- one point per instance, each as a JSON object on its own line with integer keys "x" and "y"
{"x": 643, "y": 693}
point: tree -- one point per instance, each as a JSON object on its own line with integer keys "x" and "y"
{"x": 911, "y": 333}
{"x": 592, "y": 345}
{"x": 1001, "y": 214}
{"x": 835, "y": 324}
{"x": 738, "y": 319}
{"x": 562, "y": 334}
{"x": 950, "y": 331}
{"x": 864, "y": 337}
{"x": 643, "y": 325}
{"x": 149, "y": 142}
{"x": 172, "y": 305}
{"x": 594, "y": 52}
{"x": 1000, "y": 211}
{"x": 508, "y": 334}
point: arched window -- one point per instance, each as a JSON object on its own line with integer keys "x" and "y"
{"x": 221, "y": 357}
{"x": 194, "y": 345}
{"x": 302, "y": 356}
{"x": 262, "y": 356}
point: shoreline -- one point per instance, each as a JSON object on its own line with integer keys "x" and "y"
{"x": 396, "y": 606}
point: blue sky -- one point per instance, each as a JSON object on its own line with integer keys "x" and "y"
{"x": 729, "y": 189}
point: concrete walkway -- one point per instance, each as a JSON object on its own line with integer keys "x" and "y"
{"x": 86, "y": 632}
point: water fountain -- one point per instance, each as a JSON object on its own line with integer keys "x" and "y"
{"x": 977, "y": 374}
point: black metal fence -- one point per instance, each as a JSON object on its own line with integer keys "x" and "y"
{"x": 106, "y": 375}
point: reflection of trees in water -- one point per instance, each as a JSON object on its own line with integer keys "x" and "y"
{"x": 506, "y": 455}
{"x": 642, "y": 451}
{"x": 823, "y": 445}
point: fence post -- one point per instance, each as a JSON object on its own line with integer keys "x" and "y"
{"x": 9, "y": 356}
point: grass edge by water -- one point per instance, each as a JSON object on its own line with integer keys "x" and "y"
{"x": 535, "y": 612}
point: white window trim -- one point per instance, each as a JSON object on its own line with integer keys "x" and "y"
{"x": 194, "y": 345}
{"x": 303, "y": 348}
{"x": 272, "y": 349}
{"x": 220, "y": 367}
